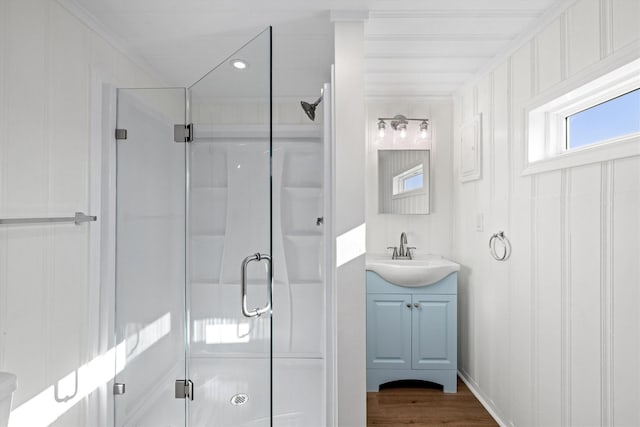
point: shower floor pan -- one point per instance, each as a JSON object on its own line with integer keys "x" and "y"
{"x": 234, "y": 393}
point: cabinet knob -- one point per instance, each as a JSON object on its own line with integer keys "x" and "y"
{"x": 416, "y": 305}
{"x": 408, "y": 305}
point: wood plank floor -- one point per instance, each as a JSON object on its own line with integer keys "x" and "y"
{"x": 411, "y": 403}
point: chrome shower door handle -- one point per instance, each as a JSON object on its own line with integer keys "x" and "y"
{"x": 243, "y": 278}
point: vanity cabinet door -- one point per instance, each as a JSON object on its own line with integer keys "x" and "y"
{"x": 434, "y": 332}
{"x": 389, "y": 331}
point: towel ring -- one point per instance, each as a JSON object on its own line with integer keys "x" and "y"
{"x": 506, "y": 246}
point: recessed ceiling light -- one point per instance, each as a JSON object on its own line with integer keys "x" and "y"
{"x": 239, "y": 64}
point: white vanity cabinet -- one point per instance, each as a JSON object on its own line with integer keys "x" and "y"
{"x": 411, "y": 332}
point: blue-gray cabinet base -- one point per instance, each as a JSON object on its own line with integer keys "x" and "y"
{"x": 412, "y": 332}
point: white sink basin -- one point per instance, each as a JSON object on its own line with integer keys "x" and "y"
{"x": 420, "y": 271}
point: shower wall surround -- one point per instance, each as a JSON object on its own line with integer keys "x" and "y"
{"x": 219, "y": 198}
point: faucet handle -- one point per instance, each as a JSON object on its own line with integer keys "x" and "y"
{"x": 395, "y": 251}
{"x": 408, "y": 252}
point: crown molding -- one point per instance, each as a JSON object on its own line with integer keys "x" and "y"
{"x": 88, "y": 19}
{"x": 445, "y": 97}
{"x": 454, "y": 14}
{"x": 425, "y": 71}
{"x": 413, "y": 91}
{"x": 348, "y": 15}
{"x": 437, "y": 37}
{"x": 421, "y": 55}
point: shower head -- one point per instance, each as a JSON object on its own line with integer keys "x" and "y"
{"x": 310, "y": 109}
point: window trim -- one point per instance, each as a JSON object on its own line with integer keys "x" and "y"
{"x": 545, "y": 116}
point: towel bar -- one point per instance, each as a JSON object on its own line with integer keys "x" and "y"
{"x": 77, "y": 219}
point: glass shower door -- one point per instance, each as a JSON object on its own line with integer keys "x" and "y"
{"x": 150, "y": 258}
{"x": 229, "y": 289}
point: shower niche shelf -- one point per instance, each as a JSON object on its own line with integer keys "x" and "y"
{"x": 303, "y": 258}
{"x": 301, "y": 205}
{"x": 212, "y": 188}
{"x": 304, "y": 190}
{"x": 306, "y": 282}
{"x": 302, "y": 167}
{"x": 301, "y": 208}
{"x": 303, "y": 234}
{"x": 207, "y": 234}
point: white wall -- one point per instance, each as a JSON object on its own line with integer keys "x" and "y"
{"x": 46, "y": 58}
{"x": 428, "y": 233}
{"x": 349, "y": 214}
{"x": 550, "y": 337}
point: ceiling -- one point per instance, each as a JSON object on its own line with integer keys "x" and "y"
{"x": 413, "y": 48}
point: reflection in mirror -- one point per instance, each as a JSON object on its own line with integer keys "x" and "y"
{"x": 403, "y": 181}
{"x": 408, "y": 181}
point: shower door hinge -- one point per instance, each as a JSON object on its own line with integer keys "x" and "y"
{"x": 183, "y": 133}
{"x": 184, "y": 389}
{"x": 121, "y": 134}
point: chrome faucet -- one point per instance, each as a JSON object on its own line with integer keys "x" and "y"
{"x": 405, "y": 251}
{"x": 403, "y": 241}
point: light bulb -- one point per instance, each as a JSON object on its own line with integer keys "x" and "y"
{"x": 424, "y": 126}
{"x": 403, "y": 131}
{"x": 381, "y": 128}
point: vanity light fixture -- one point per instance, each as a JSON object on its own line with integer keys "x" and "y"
{"x": 424, "y": 126}
{"x": 381, "y": 128}
{"x": 402, "y": 128}
{"x": 400, "y": 124}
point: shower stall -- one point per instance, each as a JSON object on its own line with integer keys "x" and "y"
{"x": 220, "y": 254}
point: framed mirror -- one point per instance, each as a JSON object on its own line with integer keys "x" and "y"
{"x": 403, "y": 181}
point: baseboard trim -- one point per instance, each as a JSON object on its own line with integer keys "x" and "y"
{"x": 478, "y": 394}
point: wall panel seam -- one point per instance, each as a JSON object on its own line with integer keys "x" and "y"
{"x": 492, "y": 380}
{"x": 606, "y": 282}
{"x": 510, "y": 138}
{"x": 606, "y": 28}
{"x": 492, "y": 145}
{"x": 534, "y": 247}
{"x": 48, "y": 233}
{"x": 534, "y": 302}
{"x": 611, "y": 289}
{"x": 509, "y": 411}
{"x": 476, "y": 320}
{"x": 475, "y": 100}
{"x": 452, "y": 181}
{"x": 535, "y": 77}
{"x": 4, "y": 235}
{"x": 564, "y": 45}
{"x": 565, "y": 296}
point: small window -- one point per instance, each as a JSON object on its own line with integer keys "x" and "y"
{"x": 592, "y": 116}
{"x": 611, "y": 119}
{"x": 409, "y": 180}
{"x": 413, "y": 182}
